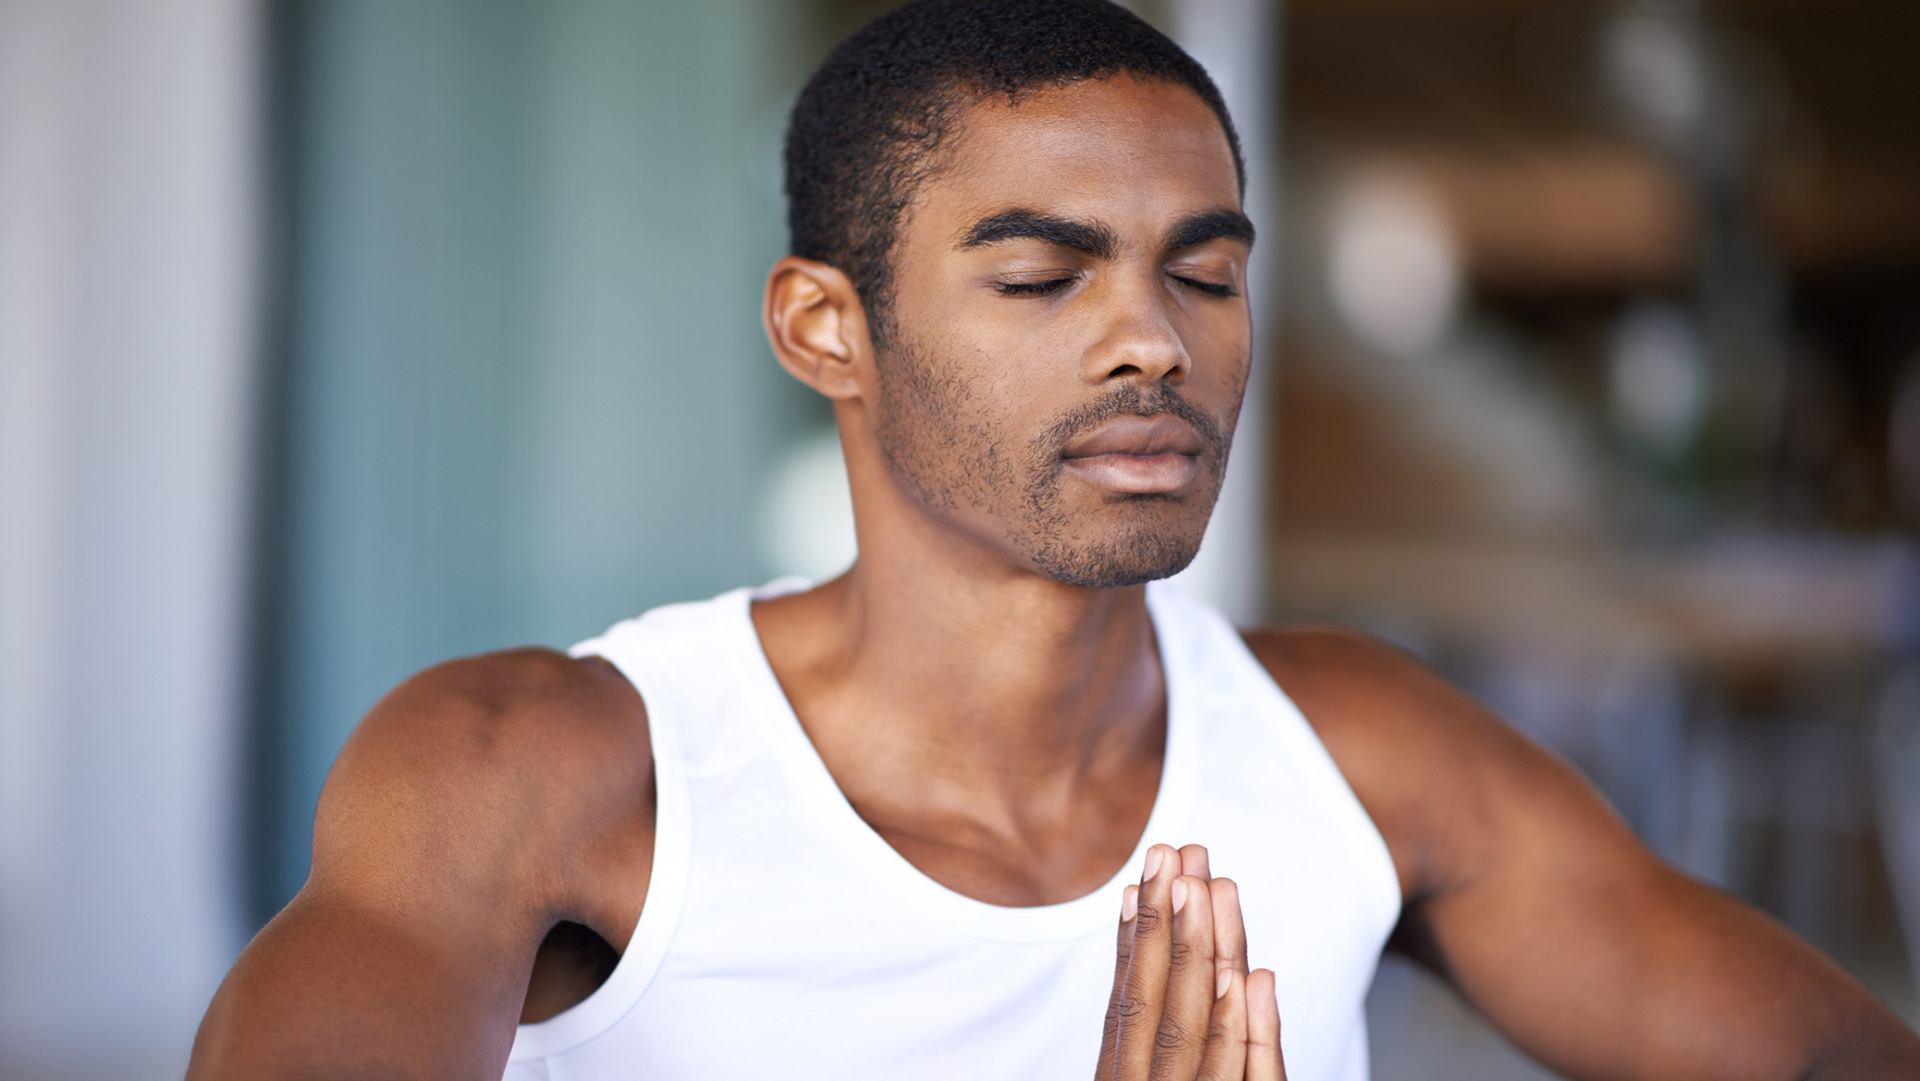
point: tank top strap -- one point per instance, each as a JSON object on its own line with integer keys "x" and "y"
{"x": 652, "y": 651}
{"x": 684, "y": 660}
{"x": 1230, "y": 688}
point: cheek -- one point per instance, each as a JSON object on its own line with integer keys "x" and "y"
{"x": 1222, "y": 355}
{"x": 1006, "y": 369}
{"x": 947, "y": 406}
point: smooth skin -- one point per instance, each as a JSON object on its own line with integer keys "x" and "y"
{"x": 1002, "y": 729}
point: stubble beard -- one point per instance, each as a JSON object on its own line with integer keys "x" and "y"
{"x": 939, "y": 441}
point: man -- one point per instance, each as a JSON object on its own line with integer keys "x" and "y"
{"x": 881, "y": 827}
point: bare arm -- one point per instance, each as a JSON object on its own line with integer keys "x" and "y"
{"x": 477, "y": 806}
{"x": 1529, "y": 895}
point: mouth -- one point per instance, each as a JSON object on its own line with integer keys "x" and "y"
{"x": 1137, "y": 455}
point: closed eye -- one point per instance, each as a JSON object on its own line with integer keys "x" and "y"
{"x": 1212, "y": 289}
{"x": 1033, "y": 289}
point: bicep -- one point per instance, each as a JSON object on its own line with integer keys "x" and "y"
{"x": 1589, "y": 951}
{"x": 1601, "y": 961}
{"x": 405, "y": 953}
{"x": 333, "y": 987}
{"x": 473, "y": 809}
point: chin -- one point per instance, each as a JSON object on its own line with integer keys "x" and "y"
{"x": 1128, "y": 561}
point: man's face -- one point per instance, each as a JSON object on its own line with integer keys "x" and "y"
{"x": 1070, "y": 332}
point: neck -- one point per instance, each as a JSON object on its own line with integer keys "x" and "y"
{"x": 936, "y": 665}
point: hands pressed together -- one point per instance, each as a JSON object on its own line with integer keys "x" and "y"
{"x": 1184, "y": 1006}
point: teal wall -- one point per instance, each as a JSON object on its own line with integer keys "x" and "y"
{"x": 522, "y": 386}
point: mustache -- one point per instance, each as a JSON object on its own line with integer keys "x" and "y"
{"x": 1129, "y": 400}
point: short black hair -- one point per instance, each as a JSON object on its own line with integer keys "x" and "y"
{"x": 865, "y": 130}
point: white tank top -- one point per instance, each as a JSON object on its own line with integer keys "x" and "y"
{"x": 782, "y": 937}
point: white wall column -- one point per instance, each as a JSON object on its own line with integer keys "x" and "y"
{"x": 126, "y": 265}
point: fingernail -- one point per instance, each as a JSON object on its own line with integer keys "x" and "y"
{"x": 1153, "y": 862}
{"x": 1129, "y": 903}
{"x": 1179, "y": 894}
{"x": 1222, "y": 982}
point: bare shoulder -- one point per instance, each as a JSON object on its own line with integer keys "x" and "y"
{"x": 534, "y": 714}
{"x": 1352, "y": 687}
{"x": 1445, "y": 780}
{"x": 506, "y": 779}
{"x": 1376, "y": 707}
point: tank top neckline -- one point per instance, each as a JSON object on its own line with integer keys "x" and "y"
{"x": 815, "y": 788}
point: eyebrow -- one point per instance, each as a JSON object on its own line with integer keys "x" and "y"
{"x": 1019, "y": 224}
{"x": 1210, "y": 225}
{"x": 1097, "y": 240}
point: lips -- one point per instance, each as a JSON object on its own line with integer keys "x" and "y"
{"x": 1137, "y": 436}
{"x": 1137, "y": 455}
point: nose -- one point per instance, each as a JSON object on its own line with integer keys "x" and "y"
{"x": 1138, "y": 341}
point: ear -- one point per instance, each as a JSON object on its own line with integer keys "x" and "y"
{"x": 817, "y": 326}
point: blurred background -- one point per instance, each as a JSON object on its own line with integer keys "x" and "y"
{"x": 339, "y": 337}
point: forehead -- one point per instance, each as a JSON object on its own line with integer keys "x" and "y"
{"x": 1112, "y": 148}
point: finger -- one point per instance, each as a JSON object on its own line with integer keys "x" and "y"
{"x": 1226, "y": 1058}
{"x": 1191, "y": 986}
{"x": 1143, "y": 991}
{"x": 1193, "y": 861}
{"x": 1123, "y": 956}
{"x": 1264, "y": 1061}
{"x": 1229, "y": 928}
